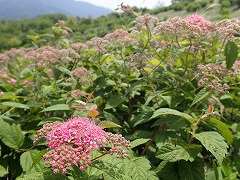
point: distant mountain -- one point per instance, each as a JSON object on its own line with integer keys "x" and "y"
{"x": 19, "y": 9}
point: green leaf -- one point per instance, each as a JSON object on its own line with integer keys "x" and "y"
{"x": 108, "y": 168}
{"x": 138, "y": 142}
{"x": 27, "y": 161}
{"x": 49, "y": 175}
{"x": 167, "y": 170}
{"x": 127, "y": 168}
{"x": 226, "y": 168}
{"x": 11, "y": 135}
{"x": 64, "y": 70}
{"x": 37, "y": 158}
{"x": 167, "y": 111}
{"x": 33, "y": 176}
{"x": 16, "y": 105}
{"x": 214, "y": 143}
{"x": 164, "y": 137}
{"x": 141, "y": 118}
{"x": 138, "y": 168}
{"x": 231, "y": 53}
{"x": 171, "y": 153}
{"x": 57, "y": 107}
{"x": 181, "y": 170}
{"x": 222, "y": 128}
{"x": 191, "y": 170}
{"x": 114, "y": 101}
{"x": 200, "y": 96}
{"x": 79, "y": 174}
{"x": 108, "y": 124}
{"x": 3, "y": 166}
{"x": 168, "y": 120}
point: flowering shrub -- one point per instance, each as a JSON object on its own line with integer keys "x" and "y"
{"x": 171, "y": 88}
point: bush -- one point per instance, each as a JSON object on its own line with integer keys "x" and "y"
{"x": 193, "y": 7}
{"x": 178, "y": 6}
{"x": 170, "y": 87}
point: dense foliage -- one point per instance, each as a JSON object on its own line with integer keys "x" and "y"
{"x": 171, "y": 88}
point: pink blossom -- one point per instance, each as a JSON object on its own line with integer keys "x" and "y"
{"x": 11, "y": 80}
{"x": 71, "y": 142}
{"x": 199, "y": 21}
{"x": 25, "y": 82}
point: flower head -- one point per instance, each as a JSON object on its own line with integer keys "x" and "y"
{"x": 199, "y": 21}
{"x": 71, "y": 142}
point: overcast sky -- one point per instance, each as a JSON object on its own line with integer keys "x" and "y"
{"x": 112, "y": 4}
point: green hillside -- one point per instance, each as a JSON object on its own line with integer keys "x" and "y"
{"x": 210, "y": 9}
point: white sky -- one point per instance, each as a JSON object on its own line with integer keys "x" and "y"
{"x": 112, "y": 4}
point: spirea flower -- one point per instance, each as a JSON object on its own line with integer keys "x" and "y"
{"x": 214, "y": 77}
{"x": 71, "y": 142}
{"x": 146, "y": 20}
{"x": 120, "y": 37}
{"x": 199, "y": 21}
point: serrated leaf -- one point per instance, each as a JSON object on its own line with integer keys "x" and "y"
{"x": 16, "y": 105}
{"x": 165, "y": 137}
{"x": 222, "y": 128}
{"x": 167, "y": 111}
{"x": 49, "y": 175}
{"x": 79, "y": 174}
{"x": 138, "y": 142}
{"x": 108, "y": 124}
{"x": 64, "y": 70}
{"x": 11, "y": 135}
{"x": 27, "y": 160}
{"x": 168, "y": 120}
{"x": 133, "y": 168}
{"x": 57, "y": 107}
{"x": 231, "y": 53}
{"x": 108, "y": 168}
{"x": 181, "y": 170}
{"x": 3, "y": 171}
{"x": 191, "y": 170}
{"x": 200, "y": 96}
{"x": 167, "y": 170}
{"x": 37, "y": 158}
{"x": 3, "y": 166}
{"x": 141, "y": 118}
{"x": 214, "y": 143}
{"x": 33, "y": 176}
{"x": 138, "y": 168}
{"x": 171, "y": 153}
{"x": 114, "y": 101}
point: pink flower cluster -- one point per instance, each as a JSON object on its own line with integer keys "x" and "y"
{"x": 120, "y": 37}
{"x": 199, "y": 21}
{"x": 197, "y": 26}
{"x": 72, "y": 141}
{"x": 146, "y": 21}
{"x": 49, "y": 55}
{"x": 214, "y": 77}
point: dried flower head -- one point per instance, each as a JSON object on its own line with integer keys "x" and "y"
{"x": 99, "y": 43}
{"x": 228, "y": 28}
{"x": 120, "y": 37}
{"x": 146, "y": 21}
{"x": 214, "y": 77}
{"x": 82, "y": 74}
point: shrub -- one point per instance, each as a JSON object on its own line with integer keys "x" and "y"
{"x": 193, "y": 7}
{"x": 170, "y": 87}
